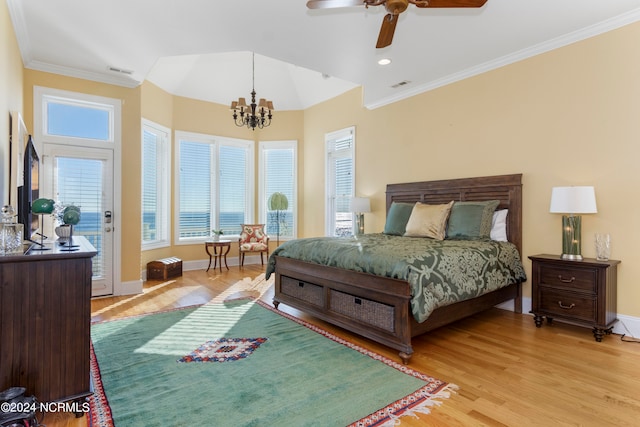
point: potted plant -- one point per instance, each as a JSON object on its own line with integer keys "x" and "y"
{"x": 216, "y": 234}
{"x": 66, "y": 217}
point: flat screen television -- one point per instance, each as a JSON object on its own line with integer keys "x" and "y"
{"x": 29, "y": 191}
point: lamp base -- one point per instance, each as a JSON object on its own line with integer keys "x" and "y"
{"x": 571, "y": 237}
{"x": 359, "y": 228}
{"x": 572, "y": 257}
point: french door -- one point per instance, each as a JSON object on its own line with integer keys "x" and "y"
{"x": 84, "y": 177}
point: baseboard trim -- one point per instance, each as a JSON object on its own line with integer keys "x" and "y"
{"x": 128, "y": 288}
{"x": 202, "y": 264}
{"x": 626, "y": 325}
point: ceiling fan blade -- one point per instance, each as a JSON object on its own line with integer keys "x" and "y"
{"x": 330, "y": 4}
{"x": 386, "y": 31}
{"x": 448, "y": 3}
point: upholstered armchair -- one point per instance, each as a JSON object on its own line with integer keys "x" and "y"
{"x": 252, "y": 239}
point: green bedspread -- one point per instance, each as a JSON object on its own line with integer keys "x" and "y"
{"x": 439, "y": 272}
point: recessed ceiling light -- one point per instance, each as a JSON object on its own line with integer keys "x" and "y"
{"x": 384, "y": 61}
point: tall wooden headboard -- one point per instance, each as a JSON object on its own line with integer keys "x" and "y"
{"x": 506, "y": 188}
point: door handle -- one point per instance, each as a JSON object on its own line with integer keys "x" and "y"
{"x": 107, "y": 229}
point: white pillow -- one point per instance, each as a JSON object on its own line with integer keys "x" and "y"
{"x": 499, "y": 226}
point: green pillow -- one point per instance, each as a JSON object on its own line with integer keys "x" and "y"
{"x": 471, "y": 220}
{"x": 397, "y": 218}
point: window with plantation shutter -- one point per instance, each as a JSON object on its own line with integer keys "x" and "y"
{"x": 155, "y": 185}
{"x": 215, "y": 189}
{"x": 340, "y": 181}
{"x": 278, "y": 174}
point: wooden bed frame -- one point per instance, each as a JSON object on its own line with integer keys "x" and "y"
{"x": 378, "y": 307}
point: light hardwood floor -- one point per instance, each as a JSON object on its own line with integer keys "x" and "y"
{"x": 509, "y": 372}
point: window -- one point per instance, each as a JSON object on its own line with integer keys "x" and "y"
{"x": 278, "y": 174}
{"x": 155, "y": 185}
{"x": 340, "y": 181}
{"x": 215, "y": 186}
{"x": 77, "y": 119}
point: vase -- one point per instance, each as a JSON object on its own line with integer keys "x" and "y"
{"x": 63, "y": 232}
{"x": 216, "y": 237}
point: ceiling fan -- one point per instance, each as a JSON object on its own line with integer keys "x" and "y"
{"x": 395, "y": 8}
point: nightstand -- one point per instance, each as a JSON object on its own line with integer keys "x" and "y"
{"x": 579, "y": 292}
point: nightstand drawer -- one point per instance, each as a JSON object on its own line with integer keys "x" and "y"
{"x": 583, "y": 279}
{"x": 567, "y": 304}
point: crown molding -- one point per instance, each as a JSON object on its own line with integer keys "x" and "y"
{"x": 119, "y": 80}
{"x": 565, "y": 40}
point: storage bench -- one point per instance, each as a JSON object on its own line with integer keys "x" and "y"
{"x": 164, "y": 269}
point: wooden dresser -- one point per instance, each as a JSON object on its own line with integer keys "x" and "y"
{"x": 45, "y": 320}
{"x": 581, "y": 292}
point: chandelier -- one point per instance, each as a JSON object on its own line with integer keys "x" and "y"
{"x": 253, "y": 115}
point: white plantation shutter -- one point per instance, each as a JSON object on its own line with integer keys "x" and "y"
{"x": 195, "y": 204}
{"x": 79, "y": 183}
{"x": 340, "y": 182}
{"x": 279, "y": 174}
{"x": 215, "y": 191}
{"x": 155, "y": 186}
{"x": 233, "y": 188}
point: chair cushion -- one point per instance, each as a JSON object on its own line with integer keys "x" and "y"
{"x": 255, "y": 246}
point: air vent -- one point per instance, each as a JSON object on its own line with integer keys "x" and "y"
{"x": 120, "y": 70}
{"x": 402, "y": 83}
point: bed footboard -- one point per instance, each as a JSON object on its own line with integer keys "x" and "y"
{"x": 371, "y": 306}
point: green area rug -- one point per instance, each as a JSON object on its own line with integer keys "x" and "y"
{"x": 242, "y": 363}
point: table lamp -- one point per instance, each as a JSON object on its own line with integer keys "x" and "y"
{"x": 359, "y": 205}
{"x": 571, "y": 202}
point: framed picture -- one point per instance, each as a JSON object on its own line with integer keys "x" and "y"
{"x": 17, "y": 141}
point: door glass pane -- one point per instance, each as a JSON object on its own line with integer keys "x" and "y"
{"x": 79, "y": 182}
{"x": 343, "y": 192}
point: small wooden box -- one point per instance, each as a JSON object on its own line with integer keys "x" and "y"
{"x": 164, "y": 269}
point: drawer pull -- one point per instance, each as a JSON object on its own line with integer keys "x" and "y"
{"x": 301, "y": 284}
{"x": 358, "y": 301}
{"x": 566, "y": 280}
{"x": 566, "y": 307}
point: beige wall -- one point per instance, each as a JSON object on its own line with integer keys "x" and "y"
{"x": 10, "y": 93}
{"x": 567, "y": 117}
{"x": 131, "y": 154}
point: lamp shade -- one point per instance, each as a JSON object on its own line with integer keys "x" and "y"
{"x": 573, "y": 200}
{"x": 359, "y": 205}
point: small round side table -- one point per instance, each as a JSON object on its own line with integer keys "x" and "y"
{"x": 220, "y": 250}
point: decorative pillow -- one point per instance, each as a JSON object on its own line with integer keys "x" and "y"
{"x": 397, "y": 218}
{"x": 471, "y": 220}
{"x": 499, "y": 226}
{"x": 428, "y": 221}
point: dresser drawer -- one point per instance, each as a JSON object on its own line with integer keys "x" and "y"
{"x": 567, "y": 304}
{"x": 581, "y": 279}
{"x": 304, "y": 291}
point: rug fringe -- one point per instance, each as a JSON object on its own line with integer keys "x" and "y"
{"x": 424, "y": 407}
